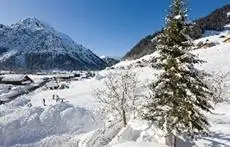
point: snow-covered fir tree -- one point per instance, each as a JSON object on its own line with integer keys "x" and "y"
{"x": 180, "y": 94}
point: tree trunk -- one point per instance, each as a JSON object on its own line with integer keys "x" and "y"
{"x": 123, "y": 109}
{"x": 124, "y": 118}
{"x": 171, "y": 140}
{"x": 174, "y": 141}
{"x": 133, "y": 107}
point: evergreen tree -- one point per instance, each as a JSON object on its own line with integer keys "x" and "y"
{"x": 180, "y": 94}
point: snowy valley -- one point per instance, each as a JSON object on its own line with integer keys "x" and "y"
{"x": 56, "y": 93}
{"x": 76, "y": 121}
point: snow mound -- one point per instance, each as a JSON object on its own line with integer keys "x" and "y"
{"x": 24, "y": 125}
{"x": 99, "y": 76}
{"x": 139, "y": 131}
{"x": 139, "y": 144}
{"x": 97, "y": 138}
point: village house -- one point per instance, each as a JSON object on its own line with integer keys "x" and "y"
{"x": 15, "y": 79}
{"x": 64, "y": 76}
{"x": 76, "y": 73}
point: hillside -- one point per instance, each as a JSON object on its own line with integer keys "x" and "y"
{"x": 30, "y": 44}
{"x": 216, "y": 20}
{"x": 144, "y": 47}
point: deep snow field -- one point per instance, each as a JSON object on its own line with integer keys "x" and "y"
{"x": 76, "y": 121}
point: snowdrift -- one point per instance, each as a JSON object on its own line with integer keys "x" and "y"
{"x": 24, "y": 125}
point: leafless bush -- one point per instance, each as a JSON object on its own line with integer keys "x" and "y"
{"x": 218, "y": 84}
{"x": 118, "y": 97}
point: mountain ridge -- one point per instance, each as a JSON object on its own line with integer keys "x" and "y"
{"x": 110, "y": 61}
{"x": 32, "y": 45}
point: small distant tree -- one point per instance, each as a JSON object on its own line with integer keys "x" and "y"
{"x": 119, "y": 96}
{"x": 180, "y": 94}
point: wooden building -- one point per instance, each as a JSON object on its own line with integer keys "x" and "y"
{"x": 15, "y": 79}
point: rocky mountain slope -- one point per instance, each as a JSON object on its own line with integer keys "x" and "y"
{"x": 215, "y": 21}
{"x": 144, "y": 47}
{"x": 110, "y": 61}
{"x": 31, "y": 45}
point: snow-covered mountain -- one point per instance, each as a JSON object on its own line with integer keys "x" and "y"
{"x": 109, "y": 60}
{"x": 32, "y": 45}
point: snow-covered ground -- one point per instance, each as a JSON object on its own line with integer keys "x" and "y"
{"x": 139, "y": 144}
{"x": 22, "y": 124}
{"x": 217, "y": 58}
{"x": 219, "y": 129}
{"x": 75, "y": 121}
{"x": 79, "y": 93}
{"x": 214, "y": 36}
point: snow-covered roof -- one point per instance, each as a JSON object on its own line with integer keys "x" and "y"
{"x": 228, "y": 14}
{"x": 52, "y": 84}
{"x": 13, "y": 78}
{"x": 64, "y": 75}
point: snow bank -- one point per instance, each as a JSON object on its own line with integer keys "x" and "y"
{"x": 139, "y": 131}
{"x": 99, "y": 76}
{"x": 139, "y": 144}
{"x": 97, "y": 138}
{"x": 24, "y": 125}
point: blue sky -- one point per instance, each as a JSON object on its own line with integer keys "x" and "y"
{"x": 107, "y": 27}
